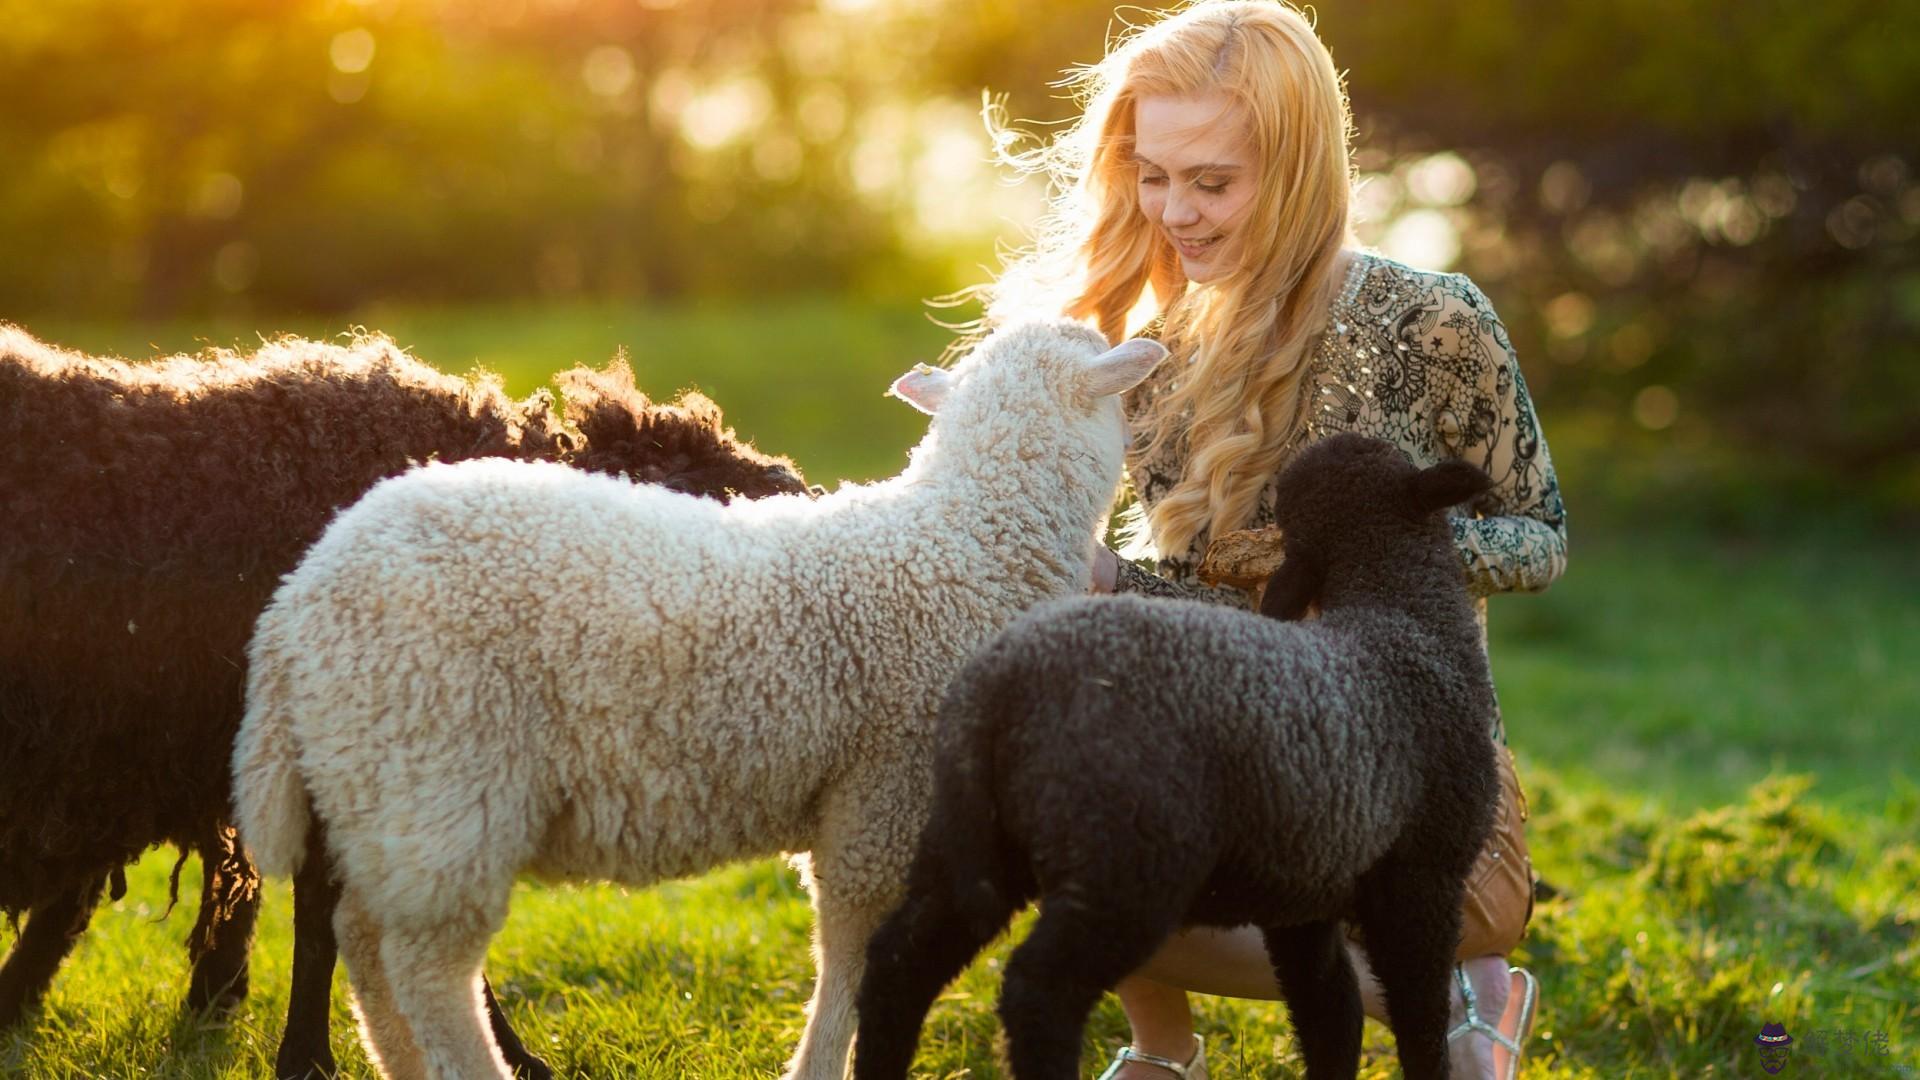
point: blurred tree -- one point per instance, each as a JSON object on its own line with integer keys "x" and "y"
{"x": 1702, "y": 212}
{"x": 312, "y": 154}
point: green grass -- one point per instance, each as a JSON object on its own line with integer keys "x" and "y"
{"x": 1686, "y": 668}
{"x": 1717, "y": 737}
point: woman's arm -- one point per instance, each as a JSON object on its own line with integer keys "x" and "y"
{"x": 1516, "y": 540}
{"x": 1131, "y": 577}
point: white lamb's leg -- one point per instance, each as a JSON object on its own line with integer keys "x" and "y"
{"x": 384, "y": 1033}
{"x": 435, "y": 973}
{"x": 856, "y": 874}
{"x": 839, "y": 959}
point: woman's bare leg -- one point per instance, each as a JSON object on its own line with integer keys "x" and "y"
{"x": 1161, "y": 1022}
{"x": 1471, "y": 1054}
{"x": 1231, "y": 963}
{"x": 1234, "y": 963}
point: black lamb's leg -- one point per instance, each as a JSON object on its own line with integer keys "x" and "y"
{"x": 1323, "y": 996}
{"x": 521, "y": 1060}
{"x": 305, "y": 1051}
{"x": 1410, "y": 912}
{"x": 924, "y": 945}
{"x": 1071, "y": 957}
{"x": 223, "y": 935}
{"x": 49, "y": 935}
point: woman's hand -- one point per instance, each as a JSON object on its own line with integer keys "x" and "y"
{"x": 1106, "y": 567}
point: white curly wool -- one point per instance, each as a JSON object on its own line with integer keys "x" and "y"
{"x": 490, "y": 668}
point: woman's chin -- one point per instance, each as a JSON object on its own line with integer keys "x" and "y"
{"x": 1202, "y": 271}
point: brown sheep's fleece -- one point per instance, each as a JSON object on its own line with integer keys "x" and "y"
{"x": 147, "y": 512}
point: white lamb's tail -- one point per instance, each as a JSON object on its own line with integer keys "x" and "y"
{"x": 269, "y": 797}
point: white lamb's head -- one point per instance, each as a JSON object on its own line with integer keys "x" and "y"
{"x": 1044, "y": 392}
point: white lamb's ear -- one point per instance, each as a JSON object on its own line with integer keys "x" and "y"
{"x": 924, "y": 388}
{"x": 1121, "y": 368}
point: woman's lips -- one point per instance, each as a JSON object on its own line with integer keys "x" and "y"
{"x": 1195, "y": 249}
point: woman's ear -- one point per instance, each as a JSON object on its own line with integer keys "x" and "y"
{"x": 1294, "y": 587}
{"x": 924, "y": 388}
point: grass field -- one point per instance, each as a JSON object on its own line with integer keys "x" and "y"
{"x": 1717, "y": 735}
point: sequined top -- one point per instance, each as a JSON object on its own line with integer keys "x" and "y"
{"x": 1418, "y": 359}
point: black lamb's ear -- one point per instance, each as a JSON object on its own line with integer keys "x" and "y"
{"x": 1294, "y": 587}
{"x": 1449, "y": 483}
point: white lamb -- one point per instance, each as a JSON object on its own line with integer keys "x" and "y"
{"x": 493, "y": 667}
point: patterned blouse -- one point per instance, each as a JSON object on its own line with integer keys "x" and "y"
{"x": 1418, "y": 359}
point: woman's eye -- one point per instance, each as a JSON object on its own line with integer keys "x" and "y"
{"x": 1153, "y": 179}
{"x": 1210, "y": 187}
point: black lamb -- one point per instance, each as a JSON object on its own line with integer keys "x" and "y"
{"x": 1141, "y": 766}
{"x": 147, "y": 512}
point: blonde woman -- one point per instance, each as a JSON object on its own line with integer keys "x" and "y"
{"x": 1206, "y": 187}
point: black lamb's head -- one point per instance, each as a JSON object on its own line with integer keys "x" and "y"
{"x": 1350, "y": 483}
{"x": 1353, "y": 498}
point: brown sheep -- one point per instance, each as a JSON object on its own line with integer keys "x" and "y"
{"x": 147, "y": 512}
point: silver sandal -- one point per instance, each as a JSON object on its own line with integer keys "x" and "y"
{"x": 1529, "y": 996}
{"x": 1194, "y": 1069}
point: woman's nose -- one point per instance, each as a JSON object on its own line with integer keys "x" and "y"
{"x": 1178, "y": 212}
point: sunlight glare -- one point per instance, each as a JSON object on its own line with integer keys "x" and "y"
{"x": 352, "y": 50}
{"x": 608, "y": 71}
{"x": 955, "y": 192}
{"x": 725, "y": 111}
{"x": 1423, "y": 238}
{"x": 1443, "y": 179}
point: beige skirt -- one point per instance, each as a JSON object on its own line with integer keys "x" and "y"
{"x": 1499, "y": 900}
{"x": 1499, "y": 897}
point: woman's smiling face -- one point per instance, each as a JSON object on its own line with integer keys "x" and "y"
{"x": 1197, "y": 176}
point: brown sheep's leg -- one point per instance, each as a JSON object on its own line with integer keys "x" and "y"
{"x": 222, "y": 936}
{"x": 525, "y": 1066}
{"x": 51, "y": 931}
{"x": 305, "y": 1049}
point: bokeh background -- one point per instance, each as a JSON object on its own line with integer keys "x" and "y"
{"x": 1697, "y": 218}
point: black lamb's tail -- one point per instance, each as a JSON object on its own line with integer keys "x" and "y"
{"x": 966, "y": 841}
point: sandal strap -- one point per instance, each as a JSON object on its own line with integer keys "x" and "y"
{"x": 1473, "y": 1021}
{"x": 1128, "y": 1054}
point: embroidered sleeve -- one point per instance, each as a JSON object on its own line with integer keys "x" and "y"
{"x": 1516, "y": 540}
{"x": 1137, "y": 579}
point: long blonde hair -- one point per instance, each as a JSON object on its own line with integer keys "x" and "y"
{"x": 1241, "y": 342}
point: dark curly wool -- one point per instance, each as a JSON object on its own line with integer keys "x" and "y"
{"x": 683, "y": 445}
{"x": 1146, "y": 765}
{"x": 147, "y": 512}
